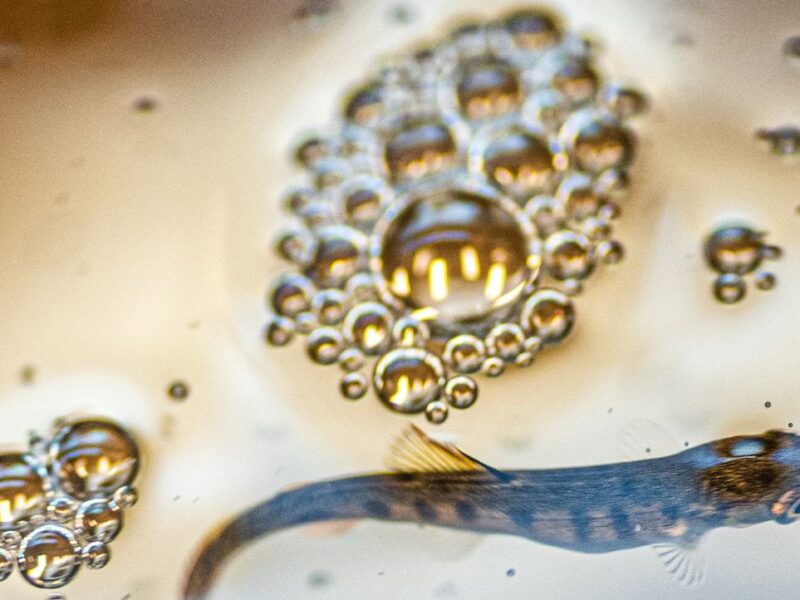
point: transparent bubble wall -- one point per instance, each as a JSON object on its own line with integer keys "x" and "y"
{"x": 146, "y": 150}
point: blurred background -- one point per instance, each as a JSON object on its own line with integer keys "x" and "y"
{"x": 144, "y": 147}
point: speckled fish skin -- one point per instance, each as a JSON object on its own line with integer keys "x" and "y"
{"x": 735, "y": 481}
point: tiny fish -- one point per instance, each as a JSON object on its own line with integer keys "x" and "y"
{"x": 667, "y": 502}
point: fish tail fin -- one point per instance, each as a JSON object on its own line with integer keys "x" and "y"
{"x": 324, "y": 501}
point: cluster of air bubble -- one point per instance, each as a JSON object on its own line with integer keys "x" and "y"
{"x": 468, "y": 192}
{"x": 61, "y": 502}
{"x": 734, "y": 251}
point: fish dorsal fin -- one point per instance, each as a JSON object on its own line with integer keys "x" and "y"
{"x": 415, "y": 452}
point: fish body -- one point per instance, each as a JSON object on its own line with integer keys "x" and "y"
{"x": 669, "y": 502}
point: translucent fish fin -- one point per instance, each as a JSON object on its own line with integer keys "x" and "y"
{"x": 415, "y": 452}
{"x": 327, "y": 529}
{"x": 684, "y": 561}
{"x": 642, "y": 438}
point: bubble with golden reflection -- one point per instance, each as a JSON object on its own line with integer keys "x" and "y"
{"x": 468, "y": 192}
{"x": 61, "y": 503}
{"x": 734, "y": 252}
{"x": 49, "y": 557}
{"x": 93, "y": 457}
{"x": 457, "y": 254}
{"x": 408, "y": 379}
{"x": 23, "y": 489}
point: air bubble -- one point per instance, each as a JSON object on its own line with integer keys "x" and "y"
{"x": 461, "y": 254}
{"x": 22, "y": 489}
{"x": 95, "y": 555}
{"x": 98, "y": 520}
{"x": 354, "y": 385}
{"x": 734, "y": 249}
{"x": 596, "y": 141}
{"x": 324, "y": 345}
{"x": 93, "y": 457}
{"x": 420, "y": 147}
{"x": 623, "y": 102}
{"x": 291, "y": 294}
{"x": 48, "y": 557}
{"x": 506, "y": 341}
{"x": 488, "y": 87}
{"x": 729, "y": 288}
{"x": 461, "y": 391}
{"x": 519, "y": 162}
{"x": 436, "y": 412}
{"x": 610, "y": 251}
{"x": 533, "y": 29}
{"x": 369, "y": 326}
{"x": 408, "y": 379}
{"x": 340, "y": 253}
{"x": 549, "y": 315}
{"x": 296, "y": 245}
{"x": 409, "y": 331}
{"x": 465, "y": 353}
{"x": 568, "y": 255}
{"x": 6, "y": 564}
{"x": 766, "y": 281}
{"x": 362, "y": 201}
{"x": 351, "y": 359}
{"x": 546, "y": 213}
{"x": 330, "y": 305}
{"x": 494, "y": 366}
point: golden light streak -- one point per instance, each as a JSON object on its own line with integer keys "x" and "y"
{"x": 373, "y": 336}
{"x": 401, "y": 286}
{"x": 400, "y": 396}
{"x": 470, "y": 266}
{"x": 495, "y": 282}
{"x": 437, "y": 279}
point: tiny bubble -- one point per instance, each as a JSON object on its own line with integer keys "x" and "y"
{"x": 511, "y": 572}
{"x": 319, "y": 579}
{"x": 27, "y": 374}
{"x": 647, "y": 450}
{"x": 768, "y": 404}
{"x": 178, "y": 390}
{"x": 791, "y": 425}
{"x": 145, "y": 104}
{"x": 402, "y": 14}
{"x": 685, "y": 444}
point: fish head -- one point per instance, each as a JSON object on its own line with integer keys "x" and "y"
{"x": 753, "y": 478}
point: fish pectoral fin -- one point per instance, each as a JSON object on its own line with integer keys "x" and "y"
{"x": 684, "y": 560}
{"x": 415, "y": 452}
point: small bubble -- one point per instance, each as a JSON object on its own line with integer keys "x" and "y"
{"x": 729, "y": 288}
{"x": 403, "y": 14}
{"x": 27, "y": 374}
{"x": 768, "y": 404}
{"x": 319, "y": 579}
{"x": 685, "y": 444}
{"x": 145, "y": 104}
{"x": 791, "y": 425}
{"x": 783, "y": 141}
{"x": 766, "y": 281}
{"x": 178, "y": 390}
{"x": 511, "y": 572}
{"x": 647, "y": 450}
{"x": 791, "y": 49}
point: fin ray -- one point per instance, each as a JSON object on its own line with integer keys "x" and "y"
{"x": 684, "y": 561}
{"x": 415, "y": 452}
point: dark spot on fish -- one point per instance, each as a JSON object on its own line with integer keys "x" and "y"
{"x": 377, "y": 508}
{"x": 621, "y": 523}
{"x": 580, "y": 522}
{"x": 746, "y": 479}
{"x": 465, "y": 510}
{"x": 522, "y": 518}
{"x": 425, "y": 511}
